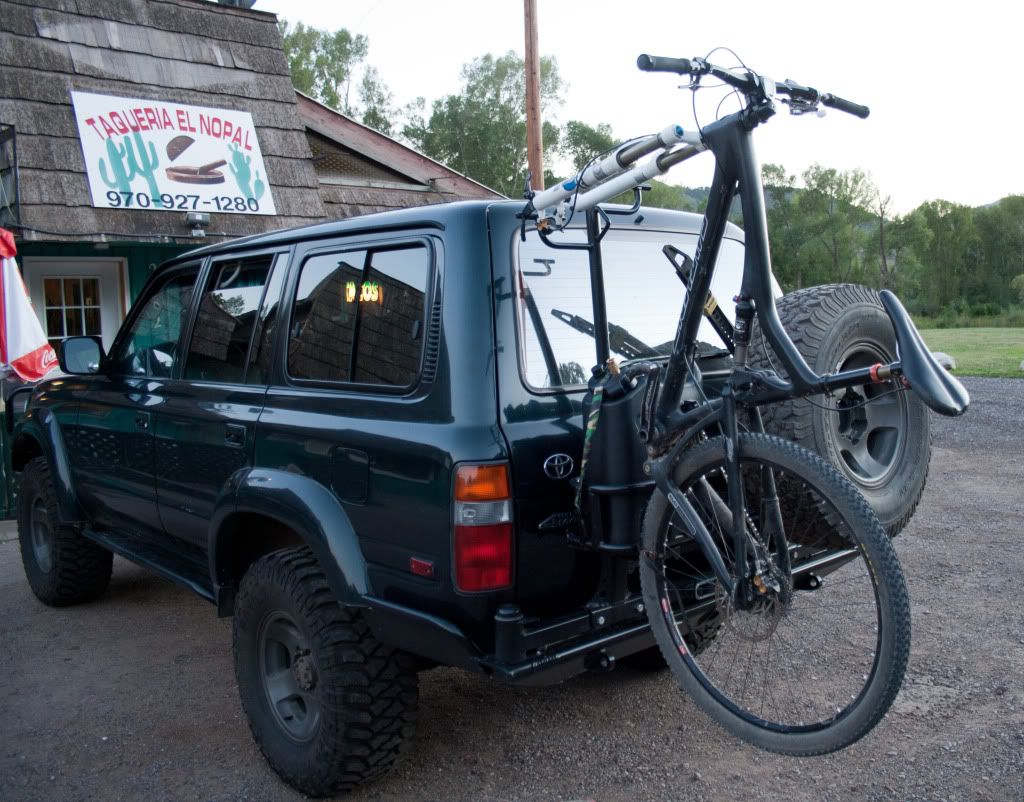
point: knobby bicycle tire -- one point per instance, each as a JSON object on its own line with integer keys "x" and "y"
{"x": 816, "y": 662}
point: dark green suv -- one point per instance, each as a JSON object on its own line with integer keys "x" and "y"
{"x": 360, "y": 439}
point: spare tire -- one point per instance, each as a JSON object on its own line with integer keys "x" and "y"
{"x": 883, "y": 445}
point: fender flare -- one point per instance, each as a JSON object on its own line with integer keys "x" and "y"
{"x": 305, "y": 506}
{"x": 41, "y": 426}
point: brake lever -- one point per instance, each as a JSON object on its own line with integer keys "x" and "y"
{"x": 798, "y": 107}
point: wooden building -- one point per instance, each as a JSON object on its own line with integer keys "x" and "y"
{"x": 131, "y": 130}
{"x": 361, "y": 170}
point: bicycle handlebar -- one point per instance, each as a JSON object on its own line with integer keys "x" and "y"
{"x": 749, "y": 82}
{"x": 663, "y": 64}
{"x": 848, "y": 106}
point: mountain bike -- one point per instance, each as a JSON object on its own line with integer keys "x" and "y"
{"x": 773, "y": 592}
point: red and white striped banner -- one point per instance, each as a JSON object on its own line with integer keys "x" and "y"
{"x": 23, "y": 345}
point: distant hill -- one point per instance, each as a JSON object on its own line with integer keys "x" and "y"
{"x": 699, "y": 195}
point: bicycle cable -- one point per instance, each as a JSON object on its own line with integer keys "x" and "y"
{"x": 695, "y": 87}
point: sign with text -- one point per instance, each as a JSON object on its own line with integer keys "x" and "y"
{"x": 146, "y": 154}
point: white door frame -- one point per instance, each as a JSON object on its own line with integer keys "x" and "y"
{"x": 112, "y": 272}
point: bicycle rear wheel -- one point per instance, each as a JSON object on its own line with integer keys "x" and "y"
{"x": 815, "y": 661}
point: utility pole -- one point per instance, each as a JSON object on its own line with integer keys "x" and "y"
{"x": 534, "y": 143}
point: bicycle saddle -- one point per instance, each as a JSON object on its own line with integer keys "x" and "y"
{"x": 937, "y": 388}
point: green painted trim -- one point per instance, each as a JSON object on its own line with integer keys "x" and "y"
{"x": 141, "y": 257}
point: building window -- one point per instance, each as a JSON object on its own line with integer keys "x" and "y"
{"x": 359, "y": 316}
{"x": 72, "y": 307}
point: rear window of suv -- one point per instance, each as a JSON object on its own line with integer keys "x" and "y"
{"x": 643, "y": 297}
{"x": 359, "y": 316}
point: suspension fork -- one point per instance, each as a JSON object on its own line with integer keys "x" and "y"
{"x": 770, "y": 518}
{"x": 733, "y": 472}
{"x": 737, "y": 506}
{"x": 771, "y": 509}
{"x": 770, "y": 512}
{"x": 660, "y": 470}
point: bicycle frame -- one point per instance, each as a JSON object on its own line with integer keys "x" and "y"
{"x": 736, "y": 166}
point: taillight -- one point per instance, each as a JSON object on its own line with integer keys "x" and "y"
{"x": 483, "y": 528}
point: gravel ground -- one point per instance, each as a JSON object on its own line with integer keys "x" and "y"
{"x": 133, "y": 697}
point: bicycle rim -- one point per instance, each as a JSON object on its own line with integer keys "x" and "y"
{"x": 817, "y": 659}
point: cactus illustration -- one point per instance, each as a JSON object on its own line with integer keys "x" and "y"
{"x": 122, "y": 176}
{"x": 241, "y": 170}
{"x": 144, "y": 163}
{"x": 258, "y": 186}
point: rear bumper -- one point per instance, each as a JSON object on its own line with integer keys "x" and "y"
{"x": 531, "y": 652}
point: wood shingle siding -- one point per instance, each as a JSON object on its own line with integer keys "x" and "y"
{"x": 183, "y": 51}
{"x": 319, "y": 163}
{"x": 363, "y": 171}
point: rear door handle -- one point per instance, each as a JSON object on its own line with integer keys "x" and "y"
{"x": 234, "y": 435}
{"x": 142, "y": 421}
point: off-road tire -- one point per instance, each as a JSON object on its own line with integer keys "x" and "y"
{"x": 61, "y": 566}
{"x": 367, "y": 692}
{"x": 835, "y": 326}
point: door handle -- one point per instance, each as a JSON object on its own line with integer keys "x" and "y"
{"x": 234, "y": 435}
{"x": 142, "y": 421}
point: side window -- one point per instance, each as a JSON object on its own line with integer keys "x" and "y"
{"x": 228, "y": 313}
{"x": 150, "y": 347}
{"x": 359, "y": 316}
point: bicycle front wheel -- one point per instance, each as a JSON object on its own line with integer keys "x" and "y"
{"x": 814, "y": 661}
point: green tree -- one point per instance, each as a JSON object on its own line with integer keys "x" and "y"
{"x": 1017, "y": 285}
{"x": 949, "y": 256}
{"x": 788, "y": 231}
{"x": 481, "y": 130}
{"x": 1000, "y": 229}
{"x": 322, "y": 63}
{"x": 325, "y": 65}
{"x": 880, "y": 207}
{"x": 377, "y": 102}
{"x": 834, "y": 204}
{"x": 581, "y": 142}
{"x": 907, "y": 240}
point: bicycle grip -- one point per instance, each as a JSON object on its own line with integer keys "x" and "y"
{"x": 848, "y": 106}
{"x": 663, "y": 64}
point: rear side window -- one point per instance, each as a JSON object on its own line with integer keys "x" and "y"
{"x": 228, "y": 314}
{"x": 359, "y": 315}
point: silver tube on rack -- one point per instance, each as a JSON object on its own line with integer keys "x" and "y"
{"x": 610, "y": 166}
{"x": 626, "y": 155}
{"x": 652, "y": 168}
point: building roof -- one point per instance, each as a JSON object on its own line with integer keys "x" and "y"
{"x": 185, "y": 51}
{"x": 362, "y": 170}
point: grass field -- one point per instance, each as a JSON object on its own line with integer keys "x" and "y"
{"x": 980, "y": 352}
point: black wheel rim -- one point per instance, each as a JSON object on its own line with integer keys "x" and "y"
{"x": 792, "y": 670}
{"x": 289, "y": 676}
{"x": 869, "y": 428}
{"x": 41, "y": 536}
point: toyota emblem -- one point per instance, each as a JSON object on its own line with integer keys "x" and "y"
{"x": 558, "y": 466}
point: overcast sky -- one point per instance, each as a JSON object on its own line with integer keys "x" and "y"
{"x": 942, "y": 79}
